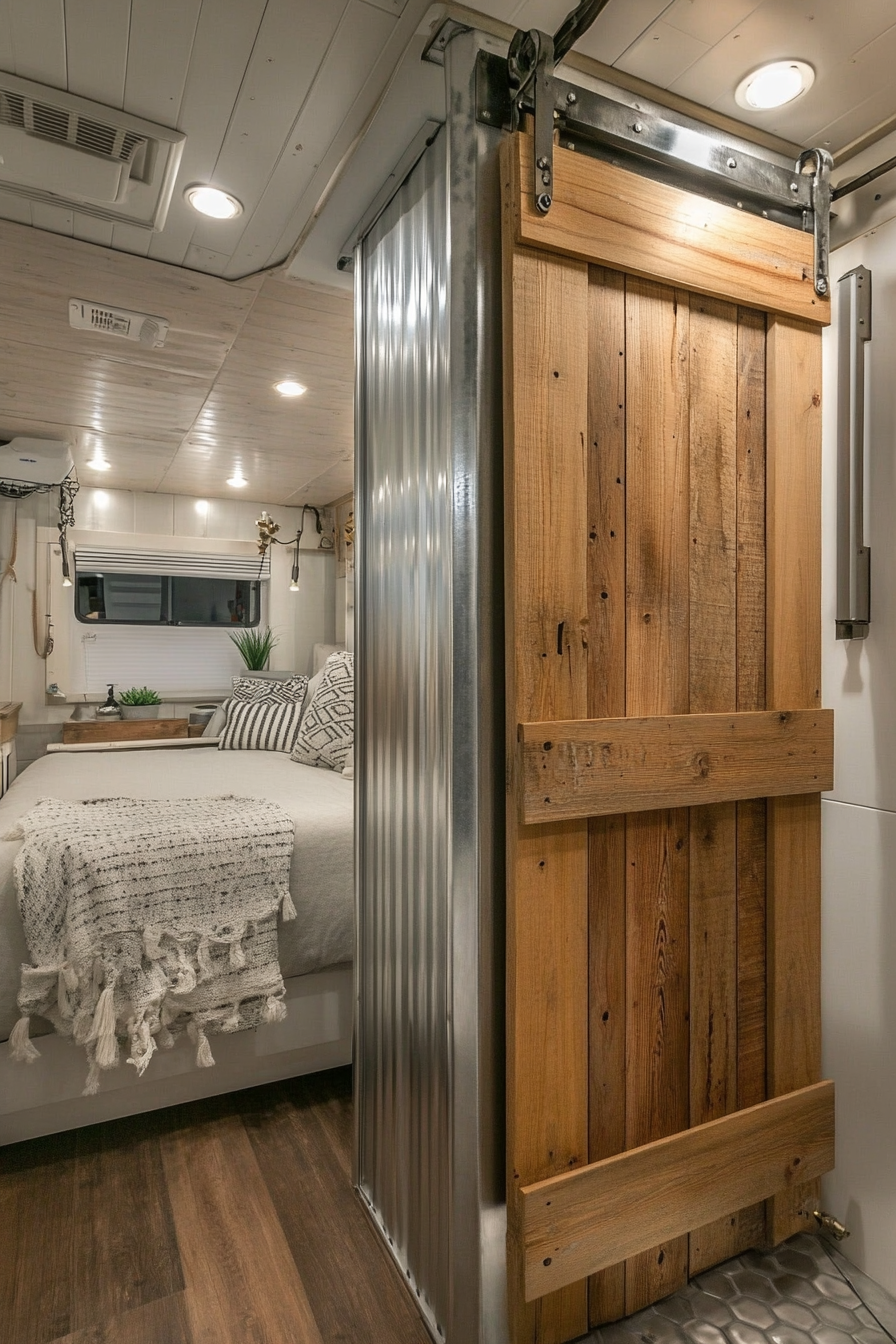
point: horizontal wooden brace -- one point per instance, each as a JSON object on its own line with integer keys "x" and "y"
{"x": 599, "y": 767}
{"x": 586, "y": 1220}
{"x": 613, "y": 217}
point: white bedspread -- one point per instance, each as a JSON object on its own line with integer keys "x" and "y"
{"x": 319, "y": 801}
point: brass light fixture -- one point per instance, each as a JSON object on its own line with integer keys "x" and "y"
{"x": 267, "y": 536}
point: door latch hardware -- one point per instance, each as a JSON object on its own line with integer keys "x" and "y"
{"x": 853, "y": 612}
{"x": 828, "y": 1223}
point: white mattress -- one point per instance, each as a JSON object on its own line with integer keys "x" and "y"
{"x": 320, "y": 802}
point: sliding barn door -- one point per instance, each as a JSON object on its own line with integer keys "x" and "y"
{"x": 666, "y": 746}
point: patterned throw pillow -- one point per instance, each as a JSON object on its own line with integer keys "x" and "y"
{"x": 260, "y": 725}
{"x": 328, "y": 725}
{"x": 260, "y": 688}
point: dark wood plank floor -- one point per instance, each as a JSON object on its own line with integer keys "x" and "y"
{"x": 228, "y": 1221}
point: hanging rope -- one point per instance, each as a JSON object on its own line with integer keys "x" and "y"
{"x": 9, "y": 571}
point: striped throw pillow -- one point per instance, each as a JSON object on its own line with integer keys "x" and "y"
{"x": 261, "y": 725}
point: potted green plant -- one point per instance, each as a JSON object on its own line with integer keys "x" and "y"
{"x": 255, "y": 647}
{"x": 139, "y": 703}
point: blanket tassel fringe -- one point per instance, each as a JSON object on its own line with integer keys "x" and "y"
{"x": 274, "y": 1010}
{"x": 21, "y": 1047}
{"x": 204, "y": 1057}
{"x": 103, "y": 1030}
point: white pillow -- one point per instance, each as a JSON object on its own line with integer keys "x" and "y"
{"x": 216, "y": 722}
{"x": 312, "y": 687}
{"x": 327, "y": 730}
{"x": 348, "y": 770}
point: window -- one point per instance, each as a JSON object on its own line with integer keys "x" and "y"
{"x": 165, "y": 599}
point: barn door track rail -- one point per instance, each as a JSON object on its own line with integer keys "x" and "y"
{"x": 683, "y": 152}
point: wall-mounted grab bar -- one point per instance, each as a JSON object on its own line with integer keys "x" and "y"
{"x": 853, "y": 556}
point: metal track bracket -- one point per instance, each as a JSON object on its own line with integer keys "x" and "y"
{"x": 530, "y": 66}
{"x": 682, "y": 151}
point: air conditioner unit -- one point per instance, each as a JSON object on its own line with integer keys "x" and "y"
{"x": 38, "y": 463}
{"x": 66, "y": 150}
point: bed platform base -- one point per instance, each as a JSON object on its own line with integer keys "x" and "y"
{"x": 45, "y": 1097}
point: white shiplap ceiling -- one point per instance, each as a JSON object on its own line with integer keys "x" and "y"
{"x": 302, "y": 108}
{"x": 179, "y": 419}
{"x": 273, "y": 94}
{"x": 270, "y": 94}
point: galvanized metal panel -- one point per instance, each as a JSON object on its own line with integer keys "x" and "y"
{"x": 404, "y": 708}
{"x": 429, "y": 673}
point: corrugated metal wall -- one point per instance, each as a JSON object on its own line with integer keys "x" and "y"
{"x": 429, "y": 730}
{"x": 403, "y": 605}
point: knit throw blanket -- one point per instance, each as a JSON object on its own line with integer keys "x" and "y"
{"x": 146, "y": 919}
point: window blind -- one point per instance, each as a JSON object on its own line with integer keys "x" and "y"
{"x": 172, "y": 660}
{"x": 189, "y": 564}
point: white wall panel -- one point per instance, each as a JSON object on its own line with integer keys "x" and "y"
{"x": 154, "y": 513}
{"x": 859, "y": 829}
{"x": 106, "y": 510}
{"x": 85, "y": 227}
{"x": 55, "y": 218}
{"x": 859, "y": 676}
{"x": 859, "y": 1026}
{"x": 15, "y": 207}
{"x": 130, "y": 238}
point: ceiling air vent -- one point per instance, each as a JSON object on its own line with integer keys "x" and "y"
{"x": 142, "y": 327}
{"x": 98, "y": 160}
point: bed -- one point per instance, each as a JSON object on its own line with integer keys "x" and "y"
{"x": 315, "y": 949}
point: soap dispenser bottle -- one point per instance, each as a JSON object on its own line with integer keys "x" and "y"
{"x": 109, "y": 710}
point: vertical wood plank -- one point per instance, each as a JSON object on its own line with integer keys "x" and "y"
{"x": 746, "y": 1228}
{"x": 751, "y": 597}
{"x": 606, "y": 699}
{"x": 793, "y": 667}
{"x": 713, "y": 688}
{"x": 657, "y": 545}
{"x": 546, "y": 422}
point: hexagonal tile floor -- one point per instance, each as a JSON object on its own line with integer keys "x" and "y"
{"x": 798, "y": 1294}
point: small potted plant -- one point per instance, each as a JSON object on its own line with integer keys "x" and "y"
{"x": 255, "y": 647}
{"x": 139, "y": 703}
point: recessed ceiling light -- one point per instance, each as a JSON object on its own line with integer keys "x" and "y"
{"x": 99, "y": 464}
{"x": 237, "y": 479}
{"x": 201, "y": 507}
{"x": 774, "y": 85}
{"x": 212, "y": 201}
{"x": 289, "y": 388}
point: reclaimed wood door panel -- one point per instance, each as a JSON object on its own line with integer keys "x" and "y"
{"x": 662, "y": 534}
